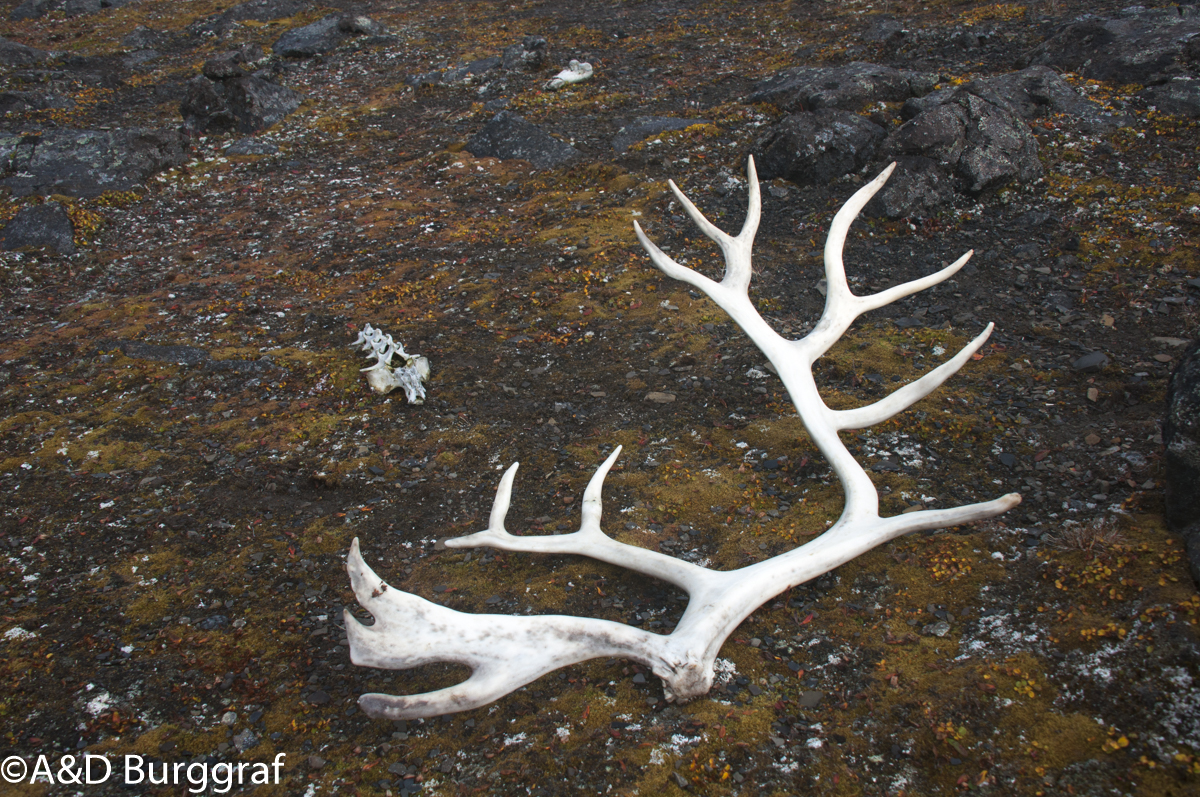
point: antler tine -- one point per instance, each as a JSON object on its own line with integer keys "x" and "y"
{"x": 495, "y": 535}
{"x": 592, "y": 505}
{"x": 836, "y": 288}
{"x": 736, "y": 249}
{"x": 903, "y": 398}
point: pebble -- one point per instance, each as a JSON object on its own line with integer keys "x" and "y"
{"x": 811, "y": 699}
{"x": 938, "y": 629}
{"x": 1091, "y": 362}
{"x": 660, "y": 398}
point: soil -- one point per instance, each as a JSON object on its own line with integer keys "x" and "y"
{"x": 175, "y": 534}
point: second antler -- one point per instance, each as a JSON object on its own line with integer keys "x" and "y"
{"x": 506, "y": 652}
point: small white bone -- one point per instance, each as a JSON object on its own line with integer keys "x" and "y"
{"x": 576, "y": 72}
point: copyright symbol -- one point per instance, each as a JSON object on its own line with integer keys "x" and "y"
{"x": 13, "y": 769}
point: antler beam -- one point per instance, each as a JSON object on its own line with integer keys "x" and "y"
{"x": 506, "y": 652}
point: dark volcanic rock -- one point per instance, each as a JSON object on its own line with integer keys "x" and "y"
{"x": 850, "y": 87}
{"x": 244, "y": 104}
{"x": 86, "y": 163}
{"x": 643, "y": 127}
{"x": 33, "y": 9}
{"x": 20, "y": 101}
{"x": 917, "y": 187}
{"x": 530, "y": 53}
{"x": 1138, "y": 45}
{"x": 508, "y": 136}
{"x": 1032, "y": 93}
{"x": 983, "y": 144}
{"x": 1181, "y": 441}
{"x": 1179, "y": 96}
{"x": 14, "y": 54}
{"x": 814, "y": 148}
{"x": 235, "y": 63}
{"x": 324, "y": 35}
{"x": 40, "y": 226}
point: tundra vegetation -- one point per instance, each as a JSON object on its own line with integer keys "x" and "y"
{"x": 189, "y": 446}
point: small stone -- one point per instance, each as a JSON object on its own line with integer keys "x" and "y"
{"x": 318, "y": 698}
{"x": 1091, "y": 362}
{"x": 660, "y": 398}
{"x": 229, "y": 718}
{"x": 316, "y": 762}
{"x": 1007, "y": 459}
{"x": 1093, "y": 394}
{"x": 755, "y": 642}
{"x": 938, "y": 629}
{"x": 1092, "y": 439}
{"x": 811, "y": 699}
{"x": 1163, "y": 358}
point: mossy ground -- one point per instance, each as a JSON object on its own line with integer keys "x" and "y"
{"x": 144, "y": 497}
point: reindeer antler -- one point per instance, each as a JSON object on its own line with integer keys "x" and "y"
{"x": 506, "y": 652}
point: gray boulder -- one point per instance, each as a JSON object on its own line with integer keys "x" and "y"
{"x": 814, "y": 148}
{"x": 324, "y": 35}
{"x": 1181, "y": 441}
{"x": 531, "y": 53}
{"x": 244, "y": 105}
{"x": 15, "y": 54}
{"x": 509, "y": 137}
{"x": 86, "y": 163}
{"x": 643, "y": 127}
{"x": 235, "y": 63}
{"x": 1032, "y": 93}
{"x": 851, "y": 87}
{"x": 40, "y": 226}
{"x": 983, "y": 144}
{"x": 1137, "y": 45}
{"x": 917, "y": 188}
{"x": 1179, "y": 96}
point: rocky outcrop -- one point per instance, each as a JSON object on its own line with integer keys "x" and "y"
{"x": 1032, "y": 93}
{"x": 1181, "y": 441}
{"x": 1181, "y": 464}
{"x": 86, "y": 163}
{"x": 1138, "y": 45}
{"x": 324, "y": 35}
{"x": 918, "y": 187}
{"x": 38, "y": 227}
{"x": 531, "y": 53}
{"x": 1179, "y": 96}
{"x": 814, "y": 148}
{"x": 15, "y": 54}
{"x": 231, "y": 97}
{"x": 983, "y": 144}
{"x": 851, "y": 87}
{"x": 509, "y": 137}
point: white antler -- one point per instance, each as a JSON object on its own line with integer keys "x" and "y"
{"x": 506, "y": 652}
